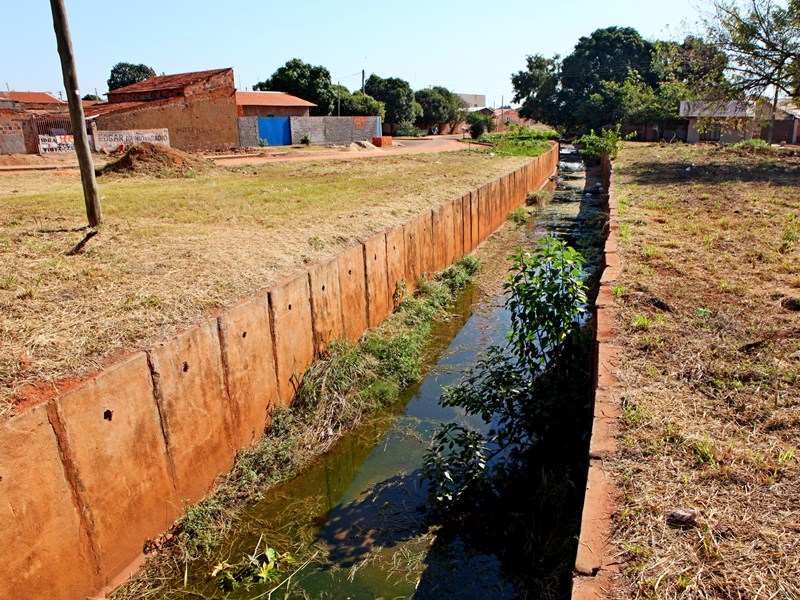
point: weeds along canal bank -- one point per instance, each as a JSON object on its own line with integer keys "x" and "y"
{"x": 349, "y": 381}
{"x": 517, "y": 533}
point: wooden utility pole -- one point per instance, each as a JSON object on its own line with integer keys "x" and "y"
{"x": 81, "y": 140}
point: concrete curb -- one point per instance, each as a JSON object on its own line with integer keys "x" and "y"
{"x": 595, "y": 565}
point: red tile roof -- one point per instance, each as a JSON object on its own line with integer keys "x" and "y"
{"x": 270, "y": 99}
{"x": 30, "y": 97}
{"x": 107, "y": 107}
{"x": 167, "y": 82}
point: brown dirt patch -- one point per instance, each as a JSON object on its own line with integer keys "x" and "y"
{"x": 158, "y": 161}
{"x": 710, "y": 370}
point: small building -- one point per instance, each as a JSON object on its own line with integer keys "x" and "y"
{"x": 198, "y": 109}
{"x": 472, "y": 100}
{"x": 32, "y": 102}
{"x": 725, "y": 122}
{"x": 505, "y": 116}
{"x": 271, "y": 104}
{"x": 24, "y": 114}
{"x": 787, "y": 123}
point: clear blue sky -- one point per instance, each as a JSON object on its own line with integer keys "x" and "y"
{"x": 466, "y": 46}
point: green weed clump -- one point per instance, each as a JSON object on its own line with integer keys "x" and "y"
{"x": 520, "y": 141}
{"x": 519, "y": 216}
{"x": 350, "y": 381}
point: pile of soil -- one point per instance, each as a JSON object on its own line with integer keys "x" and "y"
{"x": 361, "y": 146}
{"x": 158, "y": 161}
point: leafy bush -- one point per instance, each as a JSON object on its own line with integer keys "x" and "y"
{"x": 520, "y": 141}
{"x": 479, "y": 123}
{"x": 305, "y": 140}
{"x": 607, "y": 144}
{"x": 507, "y": 389}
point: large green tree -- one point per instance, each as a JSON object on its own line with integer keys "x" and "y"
{"x": 398, "y": 98}
{"x": 615, "y": 77}
{"x": 311, "y": 83}
{"x": 124, "y": 73}
{"x": 761, "y": 39}
{"x": 357, "y": 104}
{"x": 574, "y": 94}
{"x": 439, "y": 106}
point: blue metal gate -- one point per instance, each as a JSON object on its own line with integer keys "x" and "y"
{"x": 275, "y": 130}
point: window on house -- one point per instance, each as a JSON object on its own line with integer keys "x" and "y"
{"x": 712, "y": 132}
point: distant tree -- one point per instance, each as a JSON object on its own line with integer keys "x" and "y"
{"x": 357, "y": 104}
{"x": 92, "y": 97}
{"x": 698, "y": 64}
{"x": 614, "y": 77}
{"x": 538, "y": 89}
{"x": 439, "y": 106}
{"x": 401, "y": 107}
{"x": 761, "y": 39}
{"x": 479, "y": 123}
{"x": 123, "y": 74}
{"x": 311, "y": 83}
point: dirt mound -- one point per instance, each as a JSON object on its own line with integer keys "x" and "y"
{"x": 158, "y": 161}
{"x": 361, "y": 146}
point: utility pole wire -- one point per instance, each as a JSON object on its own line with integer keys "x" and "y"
{"x": 80, "y": 139}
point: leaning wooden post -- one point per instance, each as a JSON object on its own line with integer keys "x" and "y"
{"x": 81, "y": 140}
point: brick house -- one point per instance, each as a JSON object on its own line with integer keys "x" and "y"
{"x": 18, "y": 111}
{"x": 32, "y": 101}
{"x": 198, "y": 109}
{"x": 271, "y": 104}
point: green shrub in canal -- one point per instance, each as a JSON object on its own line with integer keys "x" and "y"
{"x": 529, "y": 393}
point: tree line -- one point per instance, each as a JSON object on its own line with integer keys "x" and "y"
{"x": 749, "y": 50}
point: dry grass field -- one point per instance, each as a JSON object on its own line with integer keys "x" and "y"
{"x": 173, "y": 250}
{"x": 711, "y": 372}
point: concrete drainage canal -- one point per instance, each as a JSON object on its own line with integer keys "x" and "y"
{"x": 361, "y": 521}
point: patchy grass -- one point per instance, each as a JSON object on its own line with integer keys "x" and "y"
{"x": 175, "y": 250}
{"x": 349, "y": 382}
{"x": 711, "y": 372}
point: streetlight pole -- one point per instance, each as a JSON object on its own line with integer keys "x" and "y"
{"x": 80, "y": 139}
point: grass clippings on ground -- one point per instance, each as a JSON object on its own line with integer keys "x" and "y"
{"x": 708, "y": 465}
{"x": 173, "y": 250}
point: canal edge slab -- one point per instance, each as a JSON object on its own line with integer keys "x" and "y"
{"x": 595, "y": 564}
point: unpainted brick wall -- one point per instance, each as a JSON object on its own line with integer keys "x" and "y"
{"x": 207, "y": 123}
{"x": 12, "y": 136}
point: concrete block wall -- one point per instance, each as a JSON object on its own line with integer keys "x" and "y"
{"x": 248, "y": 132}
{"x": 313, "y": 127}
{"x": 340, "y": 131}
{"x": 87, "y": 477}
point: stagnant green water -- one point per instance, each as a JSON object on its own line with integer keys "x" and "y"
{"x": 356, "y": 518}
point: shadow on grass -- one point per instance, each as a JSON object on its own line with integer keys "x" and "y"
{"x": 776, "y": 171}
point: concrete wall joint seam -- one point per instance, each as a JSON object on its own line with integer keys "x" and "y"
{"x": 155, "y": 378}
{"x": 85, "y": 517}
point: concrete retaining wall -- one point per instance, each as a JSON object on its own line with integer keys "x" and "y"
{"x": 596, "y": 564}
{"x": 86, "y": 478}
